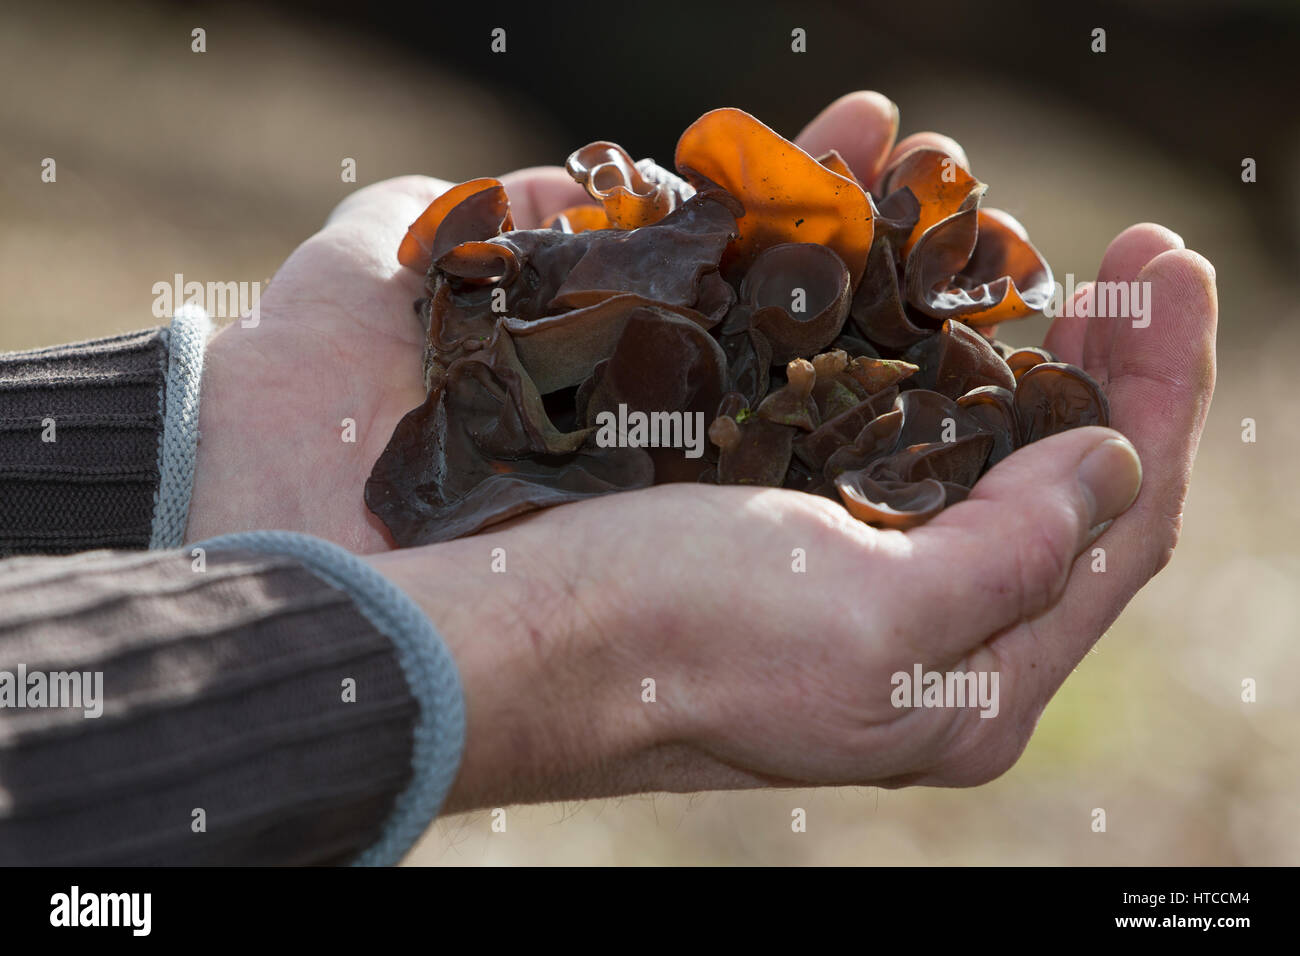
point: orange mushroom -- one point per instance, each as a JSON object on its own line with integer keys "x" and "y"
{"x": 416, "y": 250}
{"x": 787, "y": 194}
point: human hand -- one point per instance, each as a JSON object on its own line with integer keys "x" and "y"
{"x": 764, "y": 678}
{"x": 336, "y": 338}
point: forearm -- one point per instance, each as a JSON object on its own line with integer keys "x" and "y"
{"x": 548, "y": 657}
{"x": 238, "y": 706}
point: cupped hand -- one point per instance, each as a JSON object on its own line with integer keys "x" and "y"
{"x": 773, "y": 625}
{"x": 300, "y": 399}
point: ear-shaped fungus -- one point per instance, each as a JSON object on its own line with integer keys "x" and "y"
{"x": 663, "y": 365}
{"x": 876, "y": 439}
{"x": 481, "y": 449}
{"x": 833, "y": 161}
{"x": 1005, "y": 277}
{"x": 1021, "y": 361}
{"x": 662, "y": 362}
{"x": 417, "y": 248}
{"x": 788, "y": 195}
{"x": 845, "y": 428}
{"x": 664, "y": 262}
{"x": 940, "y": 184}
{"x": 577, "y": 219}
{"x": 798, "y": 295}
{"x": 835, "y": 342}
{"x": 957, "y": 359}
{"x": 891, "y": 504}
{"x": 834, "y": 389}
{"x": 561, "y": 350}
{"x": 995, "y": 409}
{"x": 877, "y": 309}
{"x": 793, "y": 403}
{"x": 1054, "y": 397}
{"x": 611, "y": 178}
{"x": 751, "y": 450}
{"x": 957, "y": 462}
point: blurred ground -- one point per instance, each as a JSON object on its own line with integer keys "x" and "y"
{"x": 216, "y": 166}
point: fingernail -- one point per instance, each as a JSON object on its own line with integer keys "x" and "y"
{"x": 1110, "y": 476}
{"x": 897, "y": 116}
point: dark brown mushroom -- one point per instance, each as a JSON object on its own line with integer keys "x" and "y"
{"x": 556, "y": 357}
{"x": 798, "y": 294}
{"x": 1054, "y": 397}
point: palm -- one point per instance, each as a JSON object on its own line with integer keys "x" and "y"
{"x": 306, "y": 400}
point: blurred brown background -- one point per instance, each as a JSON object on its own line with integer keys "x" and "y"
{"x": 217, "y": 165}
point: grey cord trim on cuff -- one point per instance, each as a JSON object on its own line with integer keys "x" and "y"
{"x": 439, "y": 734}
{"x": 179, "y": 401}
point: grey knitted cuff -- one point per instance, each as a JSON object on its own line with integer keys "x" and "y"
{"x": 439, "y": 733}
{"x": 179, "y": 405}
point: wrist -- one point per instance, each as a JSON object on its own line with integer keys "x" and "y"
{"x": 554, "y": 704}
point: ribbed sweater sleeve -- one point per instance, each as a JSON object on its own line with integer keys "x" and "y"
{"x": 263, "y": 698}
{"x": 236, "y": 706}
{"x": 80, "y": 427}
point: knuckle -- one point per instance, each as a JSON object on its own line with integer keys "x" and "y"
{"x": 1043, "y": 555}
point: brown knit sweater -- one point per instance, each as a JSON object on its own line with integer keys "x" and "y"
{"x": 272, "y": 703}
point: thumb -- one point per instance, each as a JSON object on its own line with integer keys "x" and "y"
{"x": 1005, "y": 553}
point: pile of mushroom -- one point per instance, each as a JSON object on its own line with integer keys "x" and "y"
{"x": 835, "y": 342}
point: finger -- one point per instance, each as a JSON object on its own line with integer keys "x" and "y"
{"x": 861, "y": 125}
{"x": 539, "y": 192}
{"x": 928, "y": 140}
{"x": 1125, "y": 256}
{"x": 1004, "y": 554}
{"x": 379, "y": 203}
{"x": 359, "y": 239}
{"x": 1065, "y": 337}
{"x": 1162, "y": 378}
{"x": 390, "y": 206}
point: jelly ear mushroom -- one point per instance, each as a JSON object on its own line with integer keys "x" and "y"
{"x": 561, "y": 350}
{"x": 877, "y": 374}
{"x": 957, "y": 359}
{"x": 661, "y": 361}
{"x": 940, "y": 184}
{"x": 835, "y": 391}
{"x": 684, "y": 248}
{"x": 1003, "y": 278}
{"x": 793, "y": 403}
{"x": 751, "y": 450}
{"x": 960, "y": 461}
{"x": 1054, "y": 397}
{"x": 891, "y": 504}
{"x": 833, "y": 161}
{"x": 876, "y": 439}
{"x": 939, "y": 254}
{"x": 1021, "y": 361}
{"x": 994, "y": 408}
{"x": 834, "y": 433}
{"x": 798, "y": 294}
{"x": 491, "y": 216}
{"x": 481, "y": 449}
{"x": 787, "y": 194}
{"x": 929, "y": 415}
{"x": 577, "y": 219}
{"x": 611, "y": 178}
